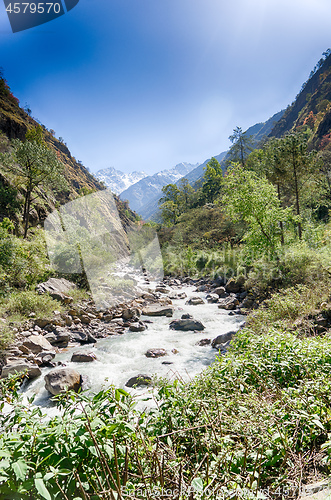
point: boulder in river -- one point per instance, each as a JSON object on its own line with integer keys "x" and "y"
{"x": 229, "y": 303}
{"x": 156, "y": 353}
{"x": 62, "y": 380}
{"x": 203, "y": 342}
{"x": 223, "y": 338}
{"x": 157, "y": 310}
{"x": 139, "y": 380}
{"x": 139, "y": 326}
{"x": 186, "y": 316}
{"x": 37, "y": 343}
{"x": 186, "y": 325}
{"x": 19, "y": 366}
{"x": 83, "y": 357}
{"x": 195, "y": 301}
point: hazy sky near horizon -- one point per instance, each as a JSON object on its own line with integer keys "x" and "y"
{"x": 147, "y": 84}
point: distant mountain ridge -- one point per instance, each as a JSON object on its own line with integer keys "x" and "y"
{"x": 257, "y": 132}
{"x": 141, "y": 193}
{"x": 118, "y": 181}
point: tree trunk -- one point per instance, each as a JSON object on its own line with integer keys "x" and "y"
{"x": 281, "y": 222}
{"x": 27, "y": 212}
{"x": 296, "y": 192}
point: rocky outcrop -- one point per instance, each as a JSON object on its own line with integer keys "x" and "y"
{"x": 58, "y": 289}
{"x": 186, "y": 325}
{"x": 62, "y": 380}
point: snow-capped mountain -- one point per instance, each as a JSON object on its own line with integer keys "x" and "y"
{"x": 118, "y": 181}
{"x": 147, "y": 188}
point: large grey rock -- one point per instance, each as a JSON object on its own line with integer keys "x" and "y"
{"x": 157, "y": 310}
{"x": 58, "y": 338}
{"x": 223, "y": 338}
{"x": 229, "y": 303}
{"x": 139, "y": 326}
{"x": 58, "y": 288}
{"x": 235, "y": 285}
{"x": 82, "y": 337}
{"x": 194, "y": 301}
{"x": 19, "y": 366}
{"x": 131, "y": 313}
{"x": 139, "y": 380}
{"x": 220, "y": 291}
{"x": 186, "y": 325}
{"x": 62, "y": 380}
{"x": 37, "y": 344}
{"x": 83, "y": 357}
{"x": 155, "y": 353}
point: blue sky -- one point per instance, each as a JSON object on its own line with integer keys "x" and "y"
{"x": 147, "y": 84}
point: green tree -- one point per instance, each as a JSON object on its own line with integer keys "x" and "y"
{"x": 241, "y": 147}
{"x": 254, "y": 200}
{"x": 34, "y": 163}
{"x": 185, "y": 195}
{"x": 300, "y": 168}
{"x": 169, "y": 204}
{"x": 212, "y": 180}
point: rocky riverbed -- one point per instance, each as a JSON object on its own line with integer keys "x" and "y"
{"x": 173, "y": 329}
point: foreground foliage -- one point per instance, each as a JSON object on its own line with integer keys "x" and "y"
{"x": 257, "y": 419}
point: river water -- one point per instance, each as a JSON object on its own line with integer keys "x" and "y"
{"x": 120, "y": 357}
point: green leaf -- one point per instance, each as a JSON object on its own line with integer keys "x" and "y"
{"x": 197, "y": 484}
{"x": 20, "y": 469}
{"x": 41, "y": 488}
{"x": 318, "y": 423}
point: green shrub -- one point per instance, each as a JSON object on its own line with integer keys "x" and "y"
{"x": 25, "y": 303}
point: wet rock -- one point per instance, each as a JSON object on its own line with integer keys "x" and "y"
{"x": 132, "y": 313}
{"x": 20, "y": 366}
{"x": 204, "y": 342}
{"x": 45, "y": 359}
{"x": 37, "y": 343}
{"x": 212, "y": 298}
{"x": 181, "y": 295}
{"x": 194, "y": 301}
{"x": 186, "y": 316}
{"x": 161, "y": 289}
{"x": 186, "y": 325}
{"x": 139, "y": 380}
{"x": 157, "y": 310}
{"x": 82, "y": 337}
{"x": 139, "y": 326}
{"x": 223, "y": 338}
{"x": 62, "y": 380}
{"x": 229, "y": 303}
{"x": 221, "y": 292}
{"x": 83, "y": 357}
{"x": 167, "y": 363}
{"x": 201, "y": 288}
{"x": 155, "y": 353}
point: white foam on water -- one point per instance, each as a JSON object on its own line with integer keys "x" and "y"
{"x": 120, "y": 357}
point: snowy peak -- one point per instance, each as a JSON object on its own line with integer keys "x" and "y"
{"x": 118, "y": 181}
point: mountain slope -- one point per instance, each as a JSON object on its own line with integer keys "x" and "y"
{"x": 311, "y": 110}
{"x": 148, "y": 188}
{"x": 118, "y": 181}
{"x": 14, "y": 123}
{"x": 257, "y": 133}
